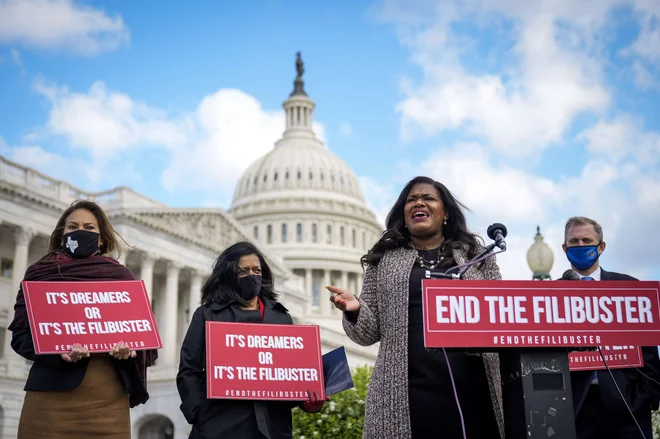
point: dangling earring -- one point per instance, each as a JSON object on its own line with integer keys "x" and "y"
{"x": 445, "y": 223}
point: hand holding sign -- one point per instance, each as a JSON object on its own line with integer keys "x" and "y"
{"x": 77, "y": 353}
{"x": 343, "y": 299}
{"x": 315, "y": 402}
{"x": 122, "y": 351}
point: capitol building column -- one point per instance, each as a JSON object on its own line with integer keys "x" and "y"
{"x": 309, "y": 290}
{"x": 195, "y": 293}
{"x": 147, "y": 272}
{"x": 325, "y": 305}
{"x": 22, "y": 238}
{"x": 168, "y": 328}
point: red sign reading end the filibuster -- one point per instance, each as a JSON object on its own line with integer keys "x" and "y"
{"x": 263, "y": 361}
{"x": 532, "y": 313}
{"x": 97, "y": 315}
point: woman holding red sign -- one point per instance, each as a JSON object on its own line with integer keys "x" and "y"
{"x": 78, "y": 394}
{"x": 240, "y": 289}
{"x": 413, "y": 391}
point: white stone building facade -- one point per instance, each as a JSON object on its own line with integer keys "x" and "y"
{"x": 300, "y": 204}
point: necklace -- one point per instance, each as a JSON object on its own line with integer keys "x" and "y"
{"x": 431, "y": 264}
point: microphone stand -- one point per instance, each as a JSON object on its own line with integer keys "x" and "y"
{"x": 478, "y": 258}
{"x": 464, "y": 267}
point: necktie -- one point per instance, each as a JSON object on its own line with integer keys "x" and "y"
{"x": 587, "y": 278}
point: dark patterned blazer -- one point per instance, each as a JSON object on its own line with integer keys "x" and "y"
{"x": 383, "y": 318}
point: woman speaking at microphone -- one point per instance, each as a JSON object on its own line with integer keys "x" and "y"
{"x": 240, "y": 290}
{"x": 413, "y": 391}
{"x": 75, "y": 394}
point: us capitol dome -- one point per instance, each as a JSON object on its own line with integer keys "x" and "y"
{"x": 305, "y": 204}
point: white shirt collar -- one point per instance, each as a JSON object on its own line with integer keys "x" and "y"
{"x": 595, "y": 274}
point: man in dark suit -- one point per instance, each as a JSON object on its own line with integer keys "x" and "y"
{"x": 600, "y": 410}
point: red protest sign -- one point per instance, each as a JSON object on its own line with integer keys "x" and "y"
{"x": 97, "y": 315}
{"x": 617, "y": 357}
{"x": 263, "y": 361}
{"x": 531, "y": 313}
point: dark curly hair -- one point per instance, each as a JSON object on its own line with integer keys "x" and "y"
{"x": 222, "y": 284}
{"x": 455, "y": 232}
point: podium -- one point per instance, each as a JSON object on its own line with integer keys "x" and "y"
{"x": 537, "y": 394}
{"x": 533, "y": 326}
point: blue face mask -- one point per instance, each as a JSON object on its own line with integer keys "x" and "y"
{"x": 583, "y": 257}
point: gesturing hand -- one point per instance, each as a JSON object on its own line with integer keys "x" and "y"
{"x": 122, "y": 351}
{"x": 343, "y": 299}
{"x": 314, "y": 403}
{"x": 77, "y": 353}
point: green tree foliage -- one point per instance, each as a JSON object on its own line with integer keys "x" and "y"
{"x": 341, "y": 418}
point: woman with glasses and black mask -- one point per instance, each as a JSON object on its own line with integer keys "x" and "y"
{"x": 240, "y": 290}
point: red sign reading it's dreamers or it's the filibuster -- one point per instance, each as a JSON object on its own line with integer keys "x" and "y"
{"x": 263, "y": 361}
{"x": 520, "y": 313}
{"x": 97, "y": 315}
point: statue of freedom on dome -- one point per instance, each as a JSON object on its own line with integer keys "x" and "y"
{"x": 298, "y": 83}
{"x": 299, "y": 65}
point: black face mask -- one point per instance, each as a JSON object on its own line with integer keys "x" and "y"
{"x": 81, "y": 243}
{"x": 249, "y": 286}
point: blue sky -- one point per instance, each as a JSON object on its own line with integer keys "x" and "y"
{"x": 530, "y": 112}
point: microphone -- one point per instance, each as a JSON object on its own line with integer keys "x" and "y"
{"x": 497, "y": 232}
{"x": 439, "y": 275}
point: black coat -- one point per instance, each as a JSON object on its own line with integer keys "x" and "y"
{"x": 224, "y": 418}
{"x": 641, "y": 394}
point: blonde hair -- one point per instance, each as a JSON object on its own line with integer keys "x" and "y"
{"x": 583, "y": 221}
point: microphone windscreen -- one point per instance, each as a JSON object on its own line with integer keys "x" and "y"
{"x": 570, "y": 275}
{"x": 497, "y": 226}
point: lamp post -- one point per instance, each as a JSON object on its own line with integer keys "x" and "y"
{"x": 540, "y": 257}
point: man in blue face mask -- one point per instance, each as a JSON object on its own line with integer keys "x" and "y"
{"x": 583, "y": 245}
{"x": 600, "y": 410}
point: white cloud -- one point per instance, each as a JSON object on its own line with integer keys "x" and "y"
{"x": 643, "y": 78}
{"x": 104, "y": 122}
{"x": 503, "y": 193}
{"x": 16, "y": 57}
{"x": 345, "y": 129}
{"x": 319, "y": 130}
{"x": 233, "y": 132}
{"x": 622, "y": 139}
{"x": 380, "y": 196}
{"x": 209, "y": 147}
{"x": 60, "y": 25}
{"x": 17, "y": 60}
{"x": 551, "y": 61}
{"x": 62, "y": 167}
{"x": 524, "y": 107}
{"x": 647, "y": 44}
